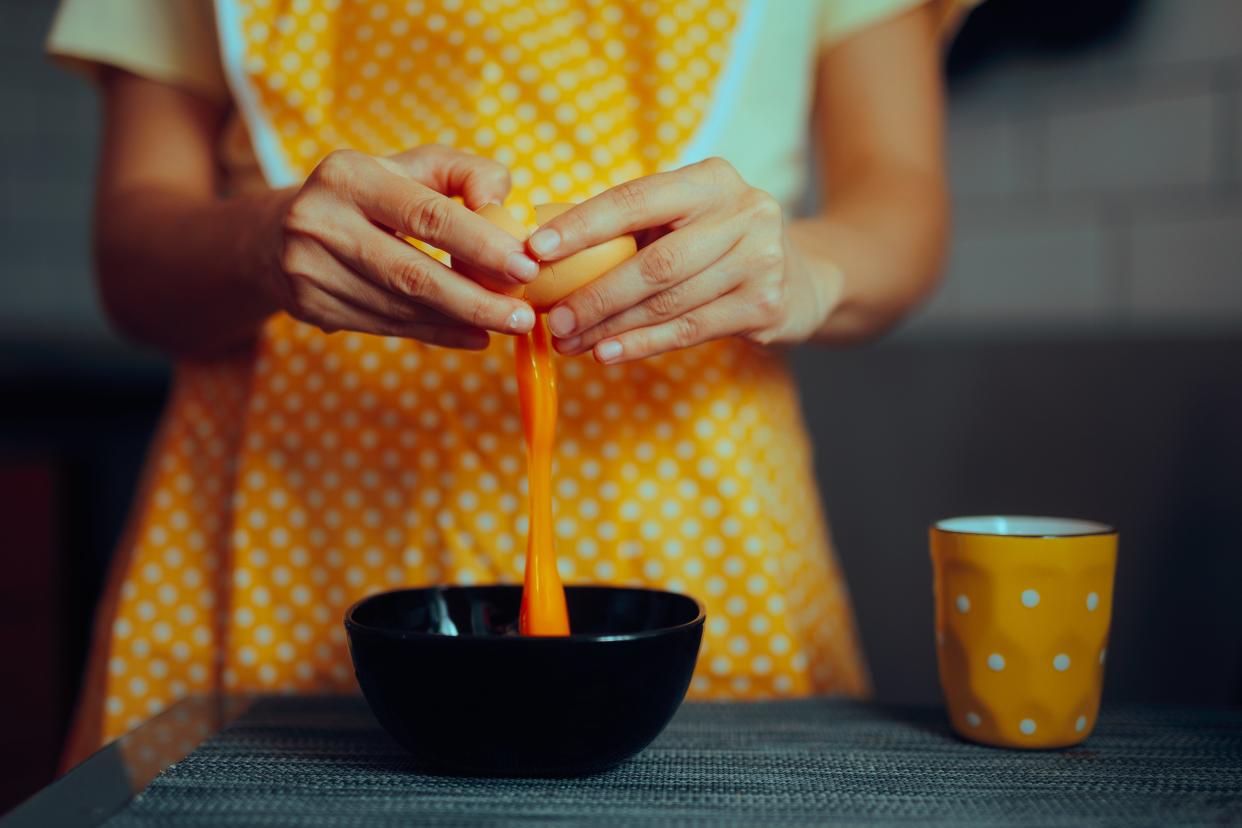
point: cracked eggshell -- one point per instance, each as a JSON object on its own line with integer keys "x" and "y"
{"x": 498, "y": 215}
{"x": 558, "y": 279}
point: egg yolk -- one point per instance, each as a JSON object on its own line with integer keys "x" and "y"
{"x": 543, "y": 596}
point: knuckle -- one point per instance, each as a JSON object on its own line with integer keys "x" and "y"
{"x": 770, "y": 257}
{"x": 413, "y": 278}
{"x": 426, "y": 217}
{"x": 291, "y": 256}
{"x": 659, "y": 264}
{"x": 686, "y": 331}
{"x": 719, "y": 171}
{"x": 630, "y": 197}
{"x": 494, "y": 171}
{"x": 294, "y": 279}
{"x": 299, "y": 216}
{"x": 662, "y": 305}
{"x": 592, "y": 303}
{"x": 769, "y": 300}
{"x": 304, "y": 307}
{"x": 501, "y": 176}
{"x": 763, "y": 206}
{"x": 354, "y": 249}
{"x": 336, "y": 165}
{"x": 427, "y": 156}
{"x": 493, "y": 177}
{"x": 423, "y": 154}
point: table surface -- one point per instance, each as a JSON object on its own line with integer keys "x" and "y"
{"x": 324, "y": 761}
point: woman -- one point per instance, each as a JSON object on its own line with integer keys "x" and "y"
{"x": 341, "y": 420}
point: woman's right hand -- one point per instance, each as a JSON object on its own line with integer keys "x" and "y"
{"x": 341, "y": 264}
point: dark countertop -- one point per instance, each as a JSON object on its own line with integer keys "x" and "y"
{"x": 324, "y": 761}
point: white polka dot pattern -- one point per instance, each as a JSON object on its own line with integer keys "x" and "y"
{"x": 573, "y": 97}
{"x": 288, "y": 484}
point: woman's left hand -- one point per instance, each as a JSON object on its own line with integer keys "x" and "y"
{"x": 714, "y": 262}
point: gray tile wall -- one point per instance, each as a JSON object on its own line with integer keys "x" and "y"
{"x": 1186, "y": 264}
{"x": 1102, "y": 191}
{"x": 1096, "y": 191}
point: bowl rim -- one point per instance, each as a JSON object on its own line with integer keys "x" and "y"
{"x": 352, "y": 625}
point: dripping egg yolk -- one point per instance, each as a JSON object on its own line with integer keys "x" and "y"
{"x": 543, "y": 611}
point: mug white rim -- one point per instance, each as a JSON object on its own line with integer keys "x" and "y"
{"x": 1023, "y": 526}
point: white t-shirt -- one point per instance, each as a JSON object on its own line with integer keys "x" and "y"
{"x": 763, "y": 134}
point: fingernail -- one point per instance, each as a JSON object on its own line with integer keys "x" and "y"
{"x": 565, "y": 346}
{"x": 561, "y": 321}
{"x": 545, "y": 241}
{"x": 521, "y": 320}
{"x": 608, "y": 351}
{"x": 521, "y": 267}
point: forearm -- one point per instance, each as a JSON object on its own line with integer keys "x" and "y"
{"x": 874, "y": 252}
{"x": 184, "y": 274}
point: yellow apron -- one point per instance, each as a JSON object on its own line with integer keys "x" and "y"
{"x": 288, "y": 482}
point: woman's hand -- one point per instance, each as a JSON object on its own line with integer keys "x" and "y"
{"x": 342, "y": 266}
{"x": 713, "y": 262}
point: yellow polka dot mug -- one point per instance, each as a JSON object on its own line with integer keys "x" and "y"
{"x": 1022, "y": 614}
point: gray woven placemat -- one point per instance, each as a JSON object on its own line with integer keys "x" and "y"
{"x": 324, "y": 761}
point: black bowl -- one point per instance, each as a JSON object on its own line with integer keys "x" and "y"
{"x": 448, "y": 677}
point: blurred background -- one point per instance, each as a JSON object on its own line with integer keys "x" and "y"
{"x": 1083, "y": 357}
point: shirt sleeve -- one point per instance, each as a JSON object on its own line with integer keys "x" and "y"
{"x": 170, "y": 41}
{"x": 840, "y": 19}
